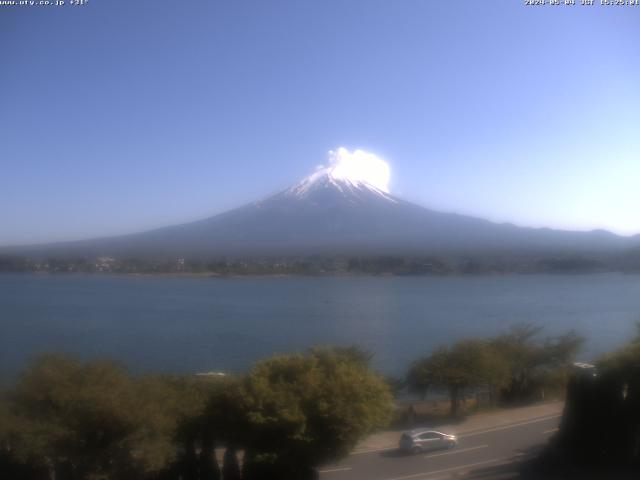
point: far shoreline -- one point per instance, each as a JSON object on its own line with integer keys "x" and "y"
{"x": 208, "y": 275}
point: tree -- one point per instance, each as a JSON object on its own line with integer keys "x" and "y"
{"x": 74, "y": 418}
{"x": 600, "y": 426}
{"x": 533, "y": 362}
{"x": 195, "y": 435}
{"x": 91, "y": 419}
{"x": 230, "y": 466}
{"x": 419, "y": 378}
{"x": 303, "y": 410}
{"x": 468, "y": 364}
{"x": 10, "y": 465}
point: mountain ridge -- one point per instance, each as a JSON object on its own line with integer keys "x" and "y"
{"x": 325, "y": 214}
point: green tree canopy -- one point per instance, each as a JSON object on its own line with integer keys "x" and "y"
{"x": 304, "y": 410}
{"x": 466, "y": 364}
{"x": 533, "y": 360}
{"x": 74, "y": 417}
{"x": 85, "y": 419}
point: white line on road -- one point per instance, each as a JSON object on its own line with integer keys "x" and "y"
{"x": 505, "y": 427}
{"x": 552, "y": 430}
{"x": 373, "y": 450}
{"x": 451, "y": 469}
{"x": 457, "y": 451}
{"x": 332, "y": 470}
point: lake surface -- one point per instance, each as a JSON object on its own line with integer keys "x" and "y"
{"x": 182, "y": 324}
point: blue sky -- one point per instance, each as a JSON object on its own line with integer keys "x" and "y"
{"x": 121, "y": 116}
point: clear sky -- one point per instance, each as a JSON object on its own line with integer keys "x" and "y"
{"x": 124, "y": 115}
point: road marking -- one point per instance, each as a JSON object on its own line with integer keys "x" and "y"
{"x": 451, "y": 469}
{"x": 508, "y": 424}
{"x": 373, "y": 450}
{"x": 456, "y": 451}
{"x": 553, "y": 430}
{"x": 505, "y": 427}
{"x": 332, "y": 470}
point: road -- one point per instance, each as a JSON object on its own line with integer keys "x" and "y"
{"x": 479, "y": 451}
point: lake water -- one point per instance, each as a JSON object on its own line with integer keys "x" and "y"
{"x": 182, "y": 324}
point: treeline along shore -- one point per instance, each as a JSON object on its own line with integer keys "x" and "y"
{"x": 68, "y": 419}
{"x": 336, "y": 265}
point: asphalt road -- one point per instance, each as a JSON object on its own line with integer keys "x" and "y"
{"x": 477, "y": 451}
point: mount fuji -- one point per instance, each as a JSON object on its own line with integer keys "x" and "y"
{"x": 343, "y": 208}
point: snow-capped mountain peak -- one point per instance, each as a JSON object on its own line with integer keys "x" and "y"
{"x": 323, "y": 180}
{"x": 348, "y": 173}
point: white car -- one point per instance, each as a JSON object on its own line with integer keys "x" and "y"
{"x": 416, "y": 441}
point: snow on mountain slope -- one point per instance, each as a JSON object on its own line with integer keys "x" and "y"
{"x": 323, "y": 180}
{"x": 350, "y": 173}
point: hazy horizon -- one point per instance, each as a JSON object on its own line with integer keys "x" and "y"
{"x": 121, "y": 118}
